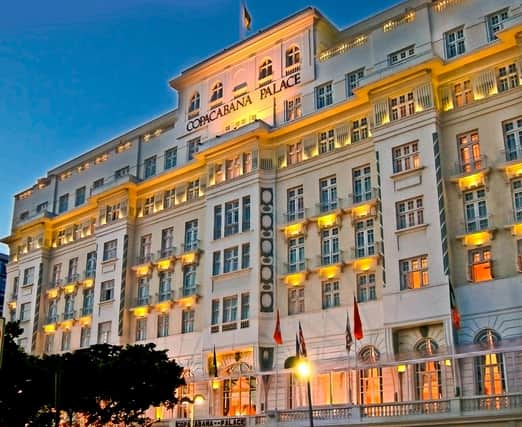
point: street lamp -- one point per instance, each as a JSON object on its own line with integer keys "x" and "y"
{"x": 302, "y": 368}
{"x": 197, "y": 400}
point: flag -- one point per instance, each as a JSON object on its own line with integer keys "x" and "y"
{"x": 455, "y": 315}
{"x": 357, "y": 325}
{"x": 349, "y": 338}
{"x": 277, "y": 332}
{"x": 302, "y": 344}
{"x": 214, "y": 363}
{"x": 246, "y": 18}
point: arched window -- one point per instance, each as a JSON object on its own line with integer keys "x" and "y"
{"x": 370, "y": 378}
{"x": 217, "y": 92}
{"x": 194, "y": 104}
{"x": 490, "y": 377}
{"x": 428, "y": 381}
{"x": 292, "y": 59}
{"x": 265, "y": 70}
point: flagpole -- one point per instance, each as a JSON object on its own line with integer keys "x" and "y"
{"x": 277, "y": 376}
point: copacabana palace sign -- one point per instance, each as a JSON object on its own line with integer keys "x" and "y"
{"x": 237, "y": 104}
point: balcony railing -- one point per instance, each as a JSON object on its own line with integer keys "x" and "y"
{"x": 511, "y": 153}
{"x": 164, "y": 296}
{"x": 86, "y": 311}
{"x": 68, "y": 315}
{"x": 366, "y": 251}
{"x": 472, "y": 165}
{"x": 363, "y": 197}
{"x": 292, "y": 69}
{"x": 191, "y": 246}
{"x": 166, "y": 253}
{"x": 72, "y": 278}
{"x": 297, "y": 267}
{"x": 142, "y": 301}
{"x": 144, "y": 259}
{"x": 189, "y": 291}
{"x": 294, "y": 216}
{"x": 327, "y": 206}
{"x": 330, "y": 259}
{"x": 402, "y": 409}
{"x": 488, "y": 403}
{"x": 473, "y": 225}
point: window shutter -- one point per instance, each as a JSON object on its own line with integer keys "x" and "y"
{"x": 309, "y": 145}
{"x": 381, "y": 114}
{"x": 423, "y": 98}
{"x": 446, "y": 100}
{"x": 484, "y": 83}
{"x": 342, "y": 135}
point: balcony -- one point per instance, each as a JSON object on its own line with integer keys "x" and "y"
{"x": 328, "y": 206}
{"x": 165, "y": 258}
{"x": 188, "y": 296}
{"x": 190, "y": 252}
{"x": 140, "y": 306}
{"x": 143, "y": 264}
{"x": 67, "y": 315}
{"x": 86, "y": 311}
{"x": 87, "y": 278}
{"x": 365, "y": 258}
{"x": 330, "y": 266}
{"x": 296, "y": 273}
{"x": 471, "y": 166}
{"x": 476, "y": 231}
{"x": 113, "y": 181}
{"x": 510, "y": 161}
{"x": 294, "y": 216}
{"x": 292, "y": 69}
{"x": 363, "y": 205}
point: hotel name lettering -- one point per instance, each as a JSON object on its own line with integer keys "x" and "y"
{"x": 236, "y": 104}
{"x": 214, "y": 422}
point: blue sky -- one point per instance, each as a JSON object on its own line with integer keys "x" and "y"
{"x": 74, "y": 74}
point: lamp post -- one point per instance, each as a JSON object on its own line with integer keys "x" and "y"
{"x": 198, "y": 399}
{"x": 302, "y": 368}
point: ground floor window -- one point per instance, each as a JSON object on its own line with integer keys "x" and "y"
{"x": 239, "y": 396}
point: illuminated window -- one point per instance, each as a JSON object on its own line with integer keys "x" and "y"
{"x": 480, "y": 265}
{"x": 331, "y": 294}
{"x": 326, "y": 141}
{"x": 402, "y": 106}
{"x": 233, "y": 167}
{"x": 194, "y": 105}
{"x": 370, "y": 379}
{"x": 323, "y": 96}
{"x": 513, "y": 138}
{"x": 463, "y": 93}
{"x": 414, "y": 272}
{"x": 410, "y": 213}
{"x": 330, "y": 253}
{"x": 163, "y": 325}
{"x": 490, "y": 375}
{"x": 353, "y": 80}
{"x": 141, "y": 329}
{"x": 292, "y": 60}
{"x": 148, "y": 205}
{"x": 359, "y": 131}
{"x": 362, "y": 184}
{"x": 216, "y": 93}
{"x": 475, "y": 210}
{"x": 495, "y": 23}
{"x": 454, "y": 43}
{"x": 364, "y": 238}
{"x": 296, "y": 300}
{"x": 469, "y": 152}
{"x": 239, "y": 393}
{"x": 187, "y": 321}
{"x": 293, "y": 109}
{"x": 265, "y": 72}
{"x": 294, "y": 153}
{"x": 366, "y": 287}
{"x": 296, "y": 259}
{"x": 401, "y": 55}
{"x": 328, "y": 194}
{"x": 428, "y": 381}
{"x": 507, "y": 77}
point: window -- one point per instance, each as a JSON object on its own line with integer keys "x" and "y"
{"x": 353, "y": 80}
{"x": 519, "y": 255}
{"x": 330, "y": 246}
{"x": 104, "y": 332}
{"x": 490, "y": 375}
{"x": 245, "y": 216}
{"x": 24, "y": 215}
{"x": 88, "y": 301}
{"x": 362, "y": 184}
{"x": 245, "y": 306}
{"x": 79, "y": 196}
{"x": 42, "y": 207}
{"x": 25, "y": 311}
{"x": 150, "y": 167}
{"x": 191, "y": 235}
{"x": 218, "y": 219}
{"x": 171, "y": 158}
{"x": 63, "y": 203}
{"x": 107, "y": 290}
{"x": 230, "y": 309}
{"x": 293, "y": 108}
{"x": 454, "y": 43}
{"x": 296, "y": 255}
{"x": 148, "y": 205}
{"x": 192, "y": 148}
{"x": 323, "y": 96}
{"x": 141, "y": 329}
{"x": 49, "y": 343}
{"x": 410, "y": 213}
{"x": 187, "y": 321}
{"x": 295, "y": 203}
{"x": 73, "y": 270}
{"x": 57, "y": 274}
{"x": 52, "y": 311}
{"x": 193, "y": 190}
{"x": 428, "y": 381}
{"x": 194, "y": 105}
{"x": 495, "y": 23}
{"x": 167, "y": 242}
{"x": 513, "y": 138}
{"x": 85, "y": 336}
{"x": 165, "y": 280}
{"x": 406, "y": 157}
{"x": 143, "y": 291}
{"x": 163, "y": 325}
{"x": 231, "y": 259}
{"x": 507, "y": 77}
{"x": 366, "y": 287}
{"x": 326, "y": 141}
{"x": 90, "y": 265}
{"x": 189, "y": 280}
{"x": 231, "y": 217}
{"x": 247, "y": 163}
{"x": 216, "y": 263}
{"x": 245, "y": 255}
{"x": 516, "y": 188}
{"x": 214, "y": 320}
{"x": 115, "y": 212}
{"x": 98, "y": 183}
{"x": 469, "y": 152}
{"x": 145, "y": 249}
{"x": 402, "y": 106}
{"x": 364, "y": 238}
{"x": 328, "y": 194}
{"x": 475, "y": 210}
{"x": 292, "y": 60}
{"x": 66, "y": 340}
{"x": 401, "y": 55}
{"x": 463, "y": 93}
{"x": 28, "y": 276}
{"x": 294, "y": 153}
{"x": 480, "y": 264}
{"x": 265, "y": 71}
{"x": 330, "y": 292}
{"x": 68, "y": 311}
{"x": 216, "y": 94}
{"x": 109, "y": 250}
{"x": 120, "y": 173}
{"x": 296, "y": 300}
{"x": 414, "y": 272}
{"x": 359, "y": 130}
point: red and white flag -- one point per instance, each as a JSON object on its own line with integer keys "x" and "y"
{"x": 357, "y": 325}
{"x": 278, "y": 338}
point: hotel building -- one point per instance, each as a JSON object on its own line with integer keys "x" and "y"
{"x": 303, "y": 166}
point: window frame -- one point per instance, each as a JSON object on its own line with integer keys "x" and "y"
{"x": 457, "y": 46}
{"x": 417, "y": 270}
{"x": 323, "y": 95}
